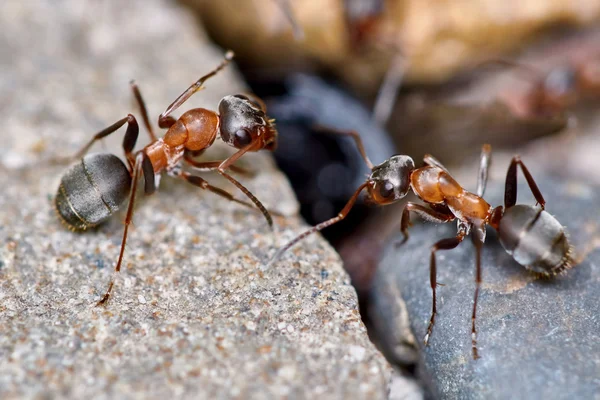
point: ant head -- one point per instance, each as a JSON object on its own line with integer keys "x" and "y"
{"x": 390, "y": 180}
{"x": 243, "y": 121}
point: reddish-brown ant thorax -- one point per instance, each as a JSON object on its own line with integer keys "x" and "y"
{"x": 424, "y": 182}
{"x": 202, "y": 127}
{"x": 244, "y": 122}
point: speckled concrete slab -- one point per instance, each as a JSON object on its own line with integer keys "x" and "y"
{"x": 538, "y": 339}
{"x": 194, "y": 313}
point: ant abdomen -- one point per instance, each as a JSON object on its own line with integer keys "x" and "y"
{"x": 92, "y": 190}
{"x": 535, "y": 239}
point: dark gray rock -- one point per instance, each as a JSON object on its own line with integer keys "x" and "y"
{"x": 538, "y": 339}
{"x": 194, "y": 313}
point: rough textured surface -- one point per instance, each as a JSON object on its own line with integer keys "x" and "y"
{"x": 194, "y": 314}
{"x": 537, "y": 338}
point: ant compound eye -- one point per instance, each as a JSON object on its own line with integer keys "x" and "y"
{"x": 386, "y": 189}
{"x": 242, "y": 138}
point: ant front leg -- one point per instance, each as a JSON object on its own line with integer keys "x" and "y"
{"x": 203, "y": 184}
{"x": 510, "y": 189}
{"x": 444, "y": 244}
{"x": 212, "y": 165}
{"x": 425, "y": 213}
{"x": 228, "y": 163}
{"x": 137, "y": 169}
{"x": 249, "y": 194}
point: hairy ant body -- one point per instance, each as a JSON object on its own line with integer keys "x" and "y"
{"x": 93, "y": 189}
{"x": 533, "y": 237}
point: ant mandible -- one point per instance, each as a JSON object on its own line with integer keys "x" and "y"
{"x": 93, "y": 189}
{"x": 532, "y": 236}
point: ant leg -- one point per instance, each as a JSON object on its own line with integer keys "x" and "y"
{"x": 130, "y": 207}
{"x": 129, "y": 139}
{"x": 425, "y": 213}
{"x": 342, "y": 214}
{"x": 484, "y": 166}
{"x": 510, "y": 188}
{"x": 212, "y": 165}
{"x": 478, "y": 239}
{"x": 164, "y": 121}
{"x": 444, "y": 244}
{"x": 434, "y": 162}
{"x": 203, "y": 184}
{"x": 140, "y": 100}
{"x": 253, "y": 198}
{"x": 354, "y": 135}
{"x": 226, "y": 164}
{"x": 149, "y": 176}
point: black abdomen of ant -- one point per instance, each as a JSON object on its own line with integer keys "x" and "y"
{"x": 92, "y": 190}
{"x": 535, "y": 239}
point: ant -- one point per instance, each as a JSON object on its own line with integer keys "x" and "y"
{"x": 94, "y": 188}
{"x": 532, "y": 236}
{"x": 554, "y": 92}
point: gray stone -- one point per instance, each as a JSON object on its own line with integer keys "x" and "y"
{"x": 194, "y": 313}
{"x": 538, "y": 339}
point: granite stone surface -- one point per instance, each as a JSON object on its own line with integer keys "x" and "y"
{"x": 194, "y": 313}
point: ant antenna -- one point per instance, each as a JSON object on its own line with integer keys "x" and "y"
{"x": 353, "y": 134}
{"x": 253, "y": 198}
{"x": 195, "y": 87}
{"x": 320, "y": 226}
